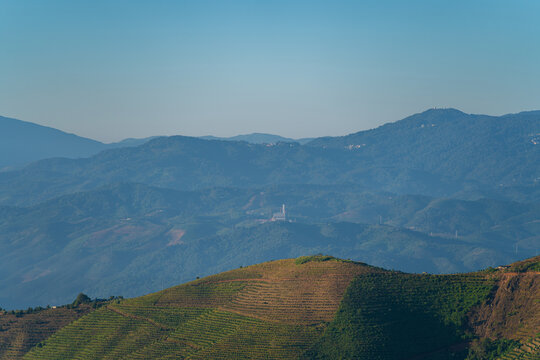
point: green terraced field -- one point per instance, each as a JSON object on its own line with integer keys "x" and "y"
{"x": 528, "y": 350}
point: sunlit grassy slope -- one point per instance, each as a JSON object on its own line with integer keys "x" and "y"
{"x": 272, "y": 310}
{"x": 310, "y": 307}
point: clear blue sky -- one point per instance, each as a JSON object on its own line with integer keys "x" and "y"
{"x": 115, "y": 69}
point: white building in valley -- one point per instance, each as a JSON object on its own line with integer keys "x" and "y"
{"x": 280, "y": 216}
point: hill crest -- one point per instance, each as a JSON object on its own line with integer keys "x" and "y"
{"x": 304, "y": 291}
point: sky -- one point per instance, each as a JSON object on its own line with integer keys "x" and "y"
{"x": 110, "y": 70}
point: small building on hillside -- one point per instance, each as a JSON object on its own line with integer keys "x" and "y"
{"x": 280, "y": 216}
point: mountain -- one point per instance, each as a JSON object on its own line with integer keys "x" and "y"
{"x": 23, "y": 142}
{"x": 130, "y": 142}
{"x": 315, "y": 307}
{"x": 460, "y": 155}
{"x": 131, "y": 239}
{"x": 448, "y": 142}
{"x": 258, "y": 138}
{"x": 181, "y": 163}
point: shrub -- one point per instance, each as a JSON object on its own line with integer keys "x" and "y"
{"x": 81, "y": 299}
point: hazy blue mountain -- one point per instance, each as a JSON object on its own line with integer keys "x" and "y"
{"x": 185, "y": 163}
{"x": 130, "y": 142}
{"x": 130, "y": 239}
{"x": 448, "y": 142}
{"x": 23, "y": 142}
{"x": 436, "y": 153}
{"x": 258, "y": 138}
{"x": 456, "y": 154}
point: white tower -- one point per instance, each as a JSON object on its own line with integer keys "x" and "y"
{"x": 280, "y": 216}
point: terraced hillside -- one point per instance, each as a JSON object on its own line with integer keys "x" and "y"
{"x": 21, "y": 330}
{"x": 272, "y": 310}
{"x": 310, "y": 307}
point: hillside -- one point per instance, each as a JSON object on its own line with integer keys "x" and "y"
{"x": 473, "y": 316}
{"x": 497, "y": 156}
{"x": 21, "y": 330}
{"x": 314, "y": 307}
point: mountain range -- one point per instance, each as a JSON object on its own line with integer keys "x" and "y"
{"x": 259, "y": 138}
{"x": 22, "y": 142}
{"x": 441, "y": 192}
{"x": 456, "y": 155}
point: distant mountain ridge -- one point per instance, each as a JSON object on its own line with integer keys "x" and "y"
{"x": 258, "y": 138}
{"x": 436, "y": 153}
{"x": 450, "y": 142}
{"x": 23, "y": 142}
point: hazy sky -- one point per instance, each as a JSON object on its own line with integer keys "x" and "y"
{"x": 115, "y": 69}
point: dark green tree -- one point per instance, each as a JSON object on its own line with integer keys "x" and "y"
{"x": 81, "y": 299}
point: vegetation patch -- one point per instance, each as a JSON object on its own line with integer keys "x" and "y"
{"x": 487, "y": 349}
{"x": 318, "y": 258}
{"x": 526, "y": 266}
{"x": 394, "y": 316}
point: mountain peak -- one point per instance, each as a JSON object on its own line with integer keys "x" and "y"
{"x": 435, "y": 115}
{"x": 447, "y": 111}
